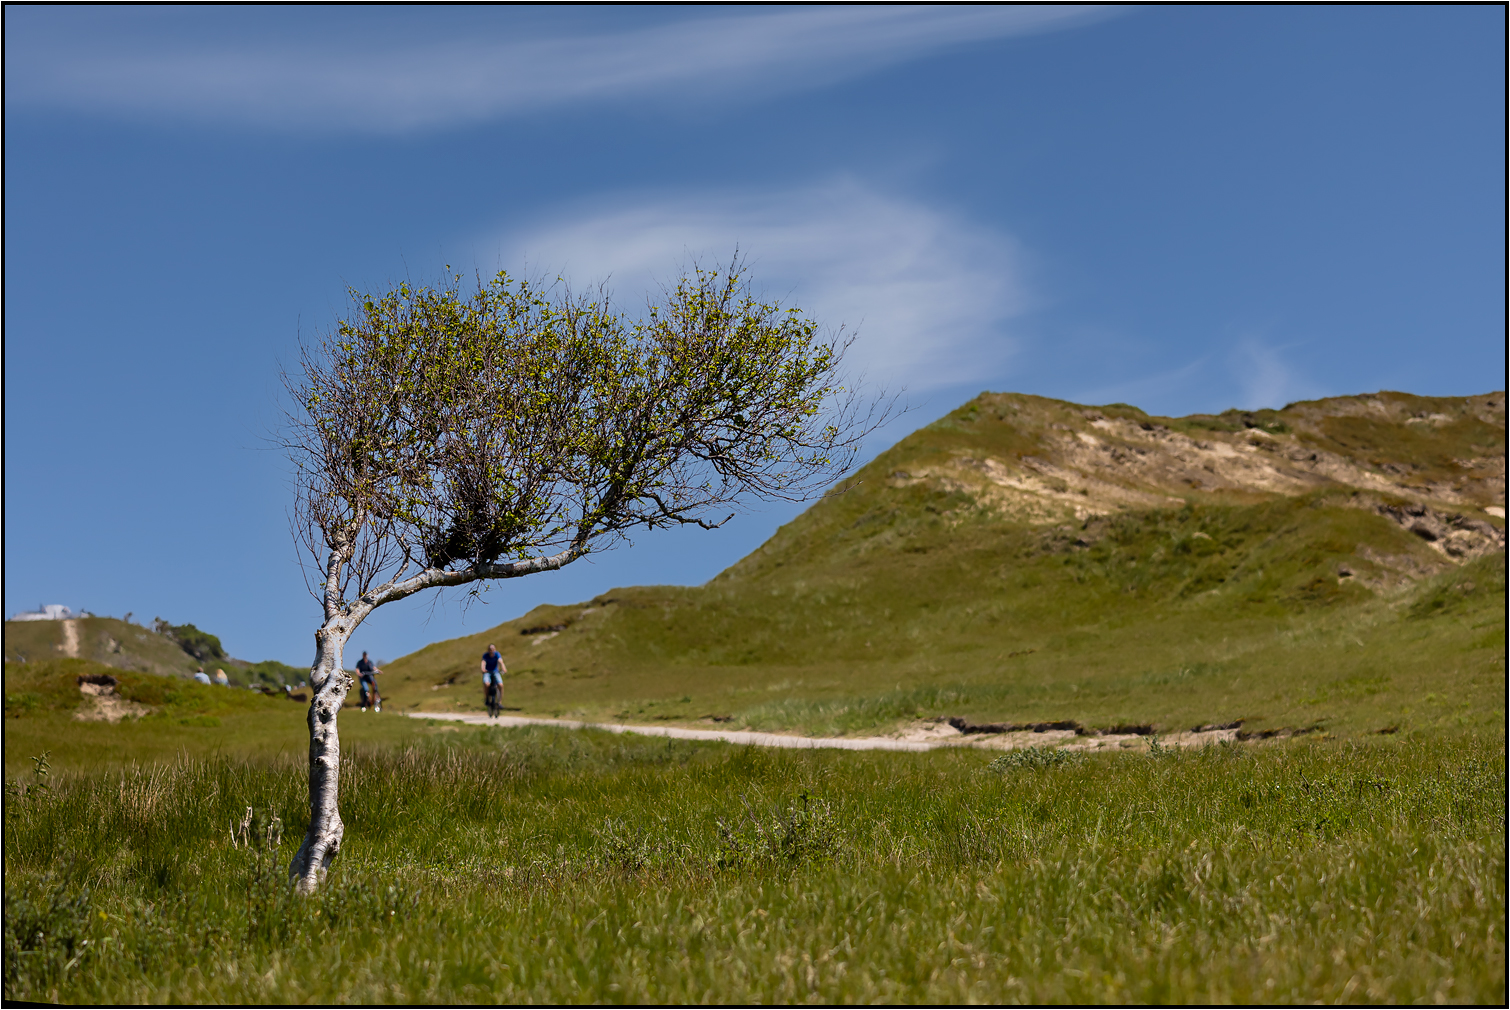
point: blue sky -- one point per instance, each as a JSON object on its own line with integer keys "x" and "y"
{"x": 1185, "y": 208}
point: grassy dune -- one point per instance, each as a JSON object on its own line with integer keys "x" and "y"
{"x": 107, "y": 640}
{"x": 1025, "y": 559}
{"x": 122, "y": 645}
{"x": 1149, "y": 623}
{"x": 542, "y": 866}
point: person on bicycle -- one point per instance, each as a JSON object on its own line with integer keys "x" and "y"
{"x": 493, "y": 669}
{"x": 367, "y": 673}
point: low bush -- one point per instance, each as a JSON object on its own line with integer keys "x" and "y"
{"x": 1032, "y": 757}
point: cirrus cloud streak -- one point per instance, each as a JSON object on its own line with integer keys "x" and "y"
{"x": 395, "y": 85}
{"x": 929, "y": 293}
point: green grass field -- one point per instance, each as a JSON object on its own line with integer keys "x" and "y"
{"x": 184, "y": 718}
{"x": 1364, "y": 862}
{"x": 548, "y": 866}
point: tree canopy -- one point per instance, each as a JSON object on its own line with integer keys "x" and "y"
{"x": 442, "y": 436}
{"x": 456, "y": 432}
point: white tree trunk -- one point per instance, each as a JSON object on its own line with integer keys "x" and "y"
{"x": 330, "y": 684}
{"x": 328, "y": 680}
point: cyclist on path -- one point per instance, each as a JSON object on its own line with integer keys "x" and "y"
{"x": 493, "y": 669}
{"x": 367, "y": 671}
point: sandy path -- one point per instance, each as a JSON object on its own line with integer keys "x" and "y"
{"x": 679, "y": 733}
{"x": 71, "y": 638}
{"x": 922, "y": 739}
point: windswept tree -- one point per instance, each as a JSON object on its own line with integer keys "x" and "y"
{"x": 442, "y": 437}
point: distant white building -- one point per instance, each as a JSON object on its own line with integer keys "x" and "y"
{"x": 47, "y": 612}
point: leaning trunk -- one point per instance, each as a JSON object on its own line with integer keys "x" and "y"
{"x": 323, "y": 839}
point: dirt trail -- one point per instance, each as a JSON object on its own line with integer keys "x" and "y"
{"x": 680, "y": 733}
{"x": 932, "y": 738}
{"x": 71, "y": 639}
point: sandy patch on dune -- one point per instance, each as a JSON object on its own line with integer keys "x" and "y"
{"x": 1123, "y": 465}
{"x": 102, "y": 704}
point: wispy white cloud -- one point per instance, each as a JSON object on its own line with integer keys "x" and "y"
{"x": 1247, "y": 372}
{"x": 1151, "y": 391}
{"x": 928, "y": 292}
{"x": 402, "y": 84}
{"x": 1265, "y": 378}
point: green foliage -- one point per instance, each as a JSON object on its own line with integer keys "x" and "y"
{"x": 806, "y": 831}
{"x": 270, "y": 671}
{"x": 47, "y": 929}
{"x": 1032, "y": 757}
{"x": 545, "y": 866}
{"x": 41, "y": 769}
{"x": 460, "y": 430}
{"x": 202, "y": 645}
{"x": 22, "y": 703}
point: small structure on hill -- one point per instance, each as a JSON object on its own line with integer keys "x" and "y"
{"x": 48, "y": 612}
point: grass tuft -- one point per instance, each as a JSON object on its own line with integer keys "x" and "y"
{"x": 1034, "y": 757}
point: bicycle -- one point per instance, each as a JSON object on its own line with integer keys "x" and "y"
{"x": 494, "y": 699}
{"x": 370, "y": 696}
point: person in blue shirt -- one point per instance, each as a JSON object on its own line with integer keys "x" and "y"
{"x": 368, "y": 672}
{"x": 493, "y": 669}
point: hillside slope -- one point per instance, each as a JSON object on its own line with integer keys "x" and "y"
{"x": 124, "y": 645}
{"x": 1026, "y": 559}
{"x": 108, "y": 640}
